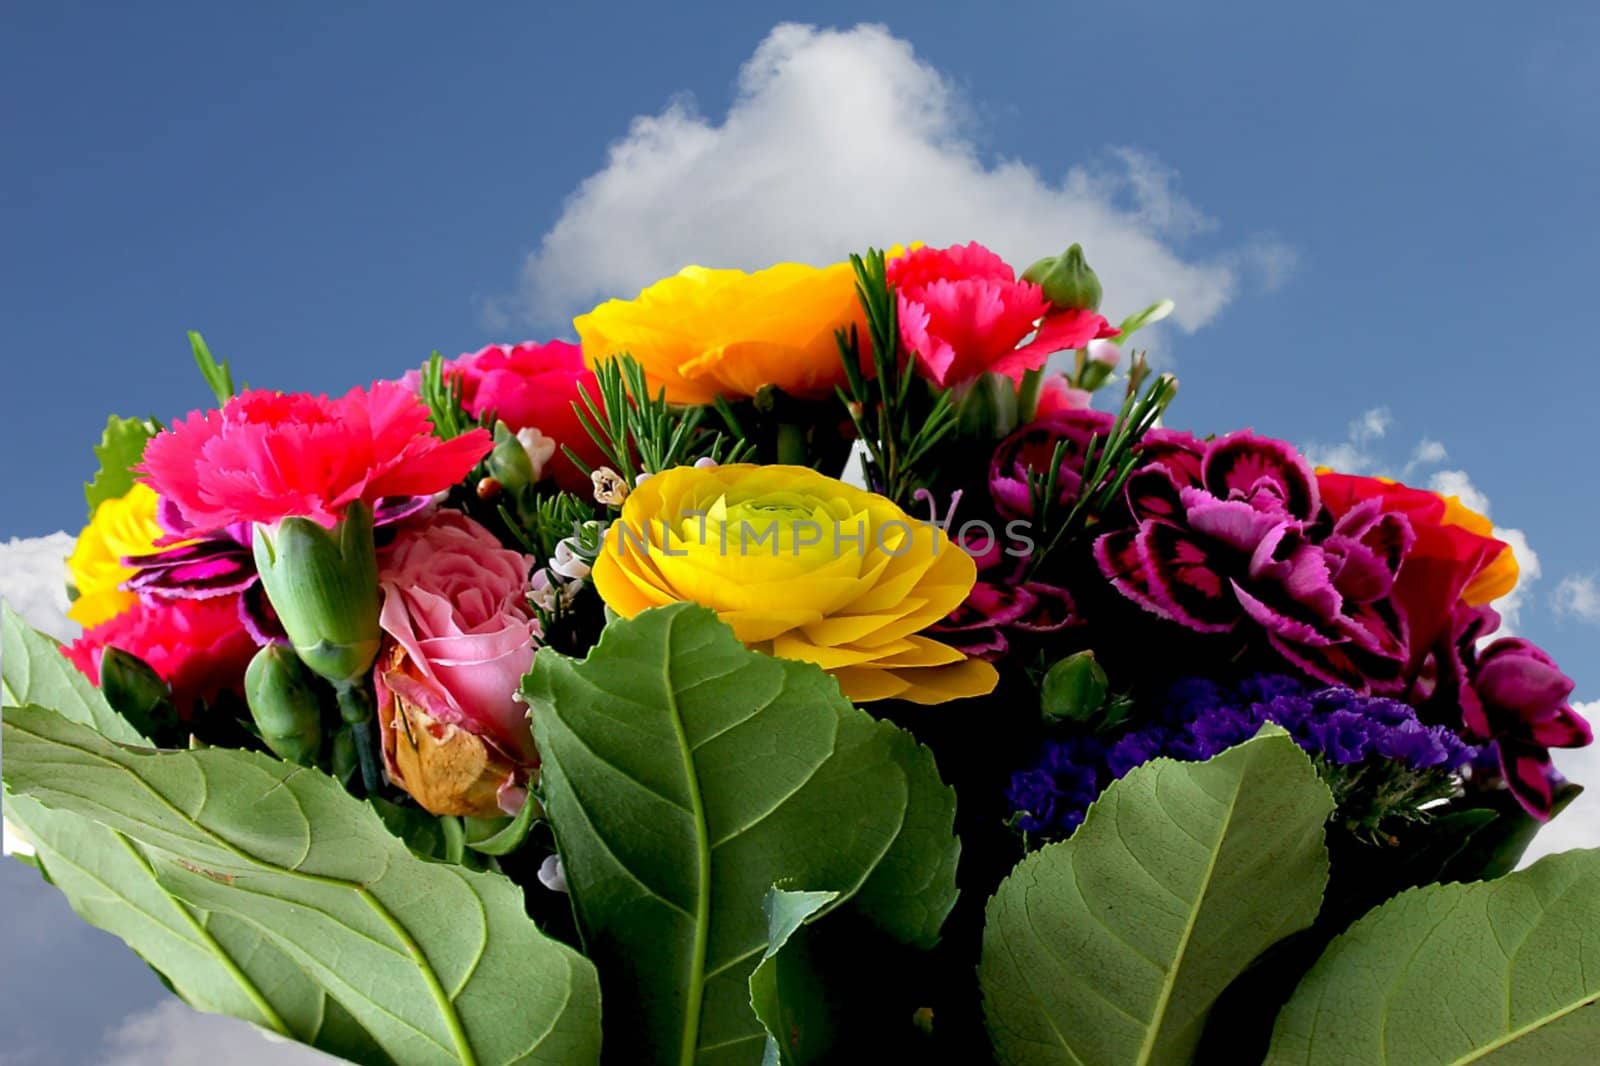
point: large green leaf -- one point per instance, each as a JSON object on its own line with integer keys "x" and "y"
{"x": 33, "y": 671}
{"x": 438, "y": 964}
{"x": 685, "y": 776}
{"x": 119, "y": 451}
{"x": 786, "y": 991}
{"x": 1496, "y": 972}
{"x": 215, "y": 962}
{"x": 1110, "y": 947}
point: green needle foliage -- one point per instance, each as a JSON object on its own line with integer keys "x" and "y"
{"x": 893, "y": 416}
{"x": 1108, "y": 462}
{"x": 638, "y": 433}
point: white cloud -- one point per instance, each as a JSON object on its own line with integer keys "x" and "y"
{"x": 1457, "y": 483}
{"x": 174, "y": 1034}
{"x": 33, "y": 576}
{"x": 841, "y": 139}
{"x": 1579, "y": 825}
{"x": 1355, "y": 454}
{"x": 1578, "y": 596}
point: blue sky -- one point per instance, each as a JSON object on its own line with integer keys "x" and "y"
{"x": 1368, "y": 208}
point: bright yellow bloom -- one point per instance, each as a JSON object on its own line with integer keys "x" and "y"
{"x": 1500, "y": 576}
{"x": 705, "y": 333}
{"x": 120, "y": 527}
{"x": 802, "y": 567}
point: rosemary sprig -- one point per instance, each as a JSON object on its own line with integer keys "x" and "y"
{"x": 638, "y": 433}
{"x": 1108, "y": 462}
{"x": 443, "y": 394}
{"x": 896, "y": 435}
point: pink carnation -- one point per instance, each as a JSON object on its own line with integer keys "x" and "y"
{"x": 269, "y": 455}
{"x": 963, "y": 313}
{"x": 455, "y": 601}
{"x": 199, "y": 647}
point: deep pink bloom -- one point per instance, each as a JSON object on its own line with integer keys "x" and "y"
{"x": 269, "y": 455}
{"x": 196, "y": 646}
{"x": 1056, "y": 396}
{"x": 455, "y": 600}
{"x": 1511, "y": 692}
{"x": 533, "y": 386}
{"x": 1025, "y": 456}
{"x": 1230, "y": 537}
{"x": 963, "y": 313}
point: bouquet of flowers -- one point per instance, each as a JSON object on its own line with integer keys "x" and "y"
{"x": 803, "y": 665}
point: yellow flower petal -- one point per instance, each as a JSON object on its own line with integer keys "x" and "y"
{"x": 810, "y": 589}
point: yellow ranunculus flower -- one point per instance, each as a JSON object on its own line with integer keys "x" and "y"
{"x": 1500, "y": 576}
{"x": 705, "y": 333}
{"x": 802, "y": 567}
{"x": 120, "y": 527}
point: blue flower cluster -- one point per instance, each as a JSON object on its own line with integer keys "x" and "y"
{"x": 1200, "y": 718}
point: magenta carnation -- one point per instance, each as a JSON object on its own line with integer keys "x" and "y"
{"x": 532, "y": 386}
{"x": 1229, "y": 536}
{"x": 269, "y": 455}
{"x": 963, "y": 313}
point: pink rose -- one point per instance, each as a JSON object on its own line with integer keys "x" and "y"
{"x": 459, "y": 638}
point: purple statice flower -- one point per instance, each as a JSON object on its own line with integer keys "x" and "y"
{"x": 1230, "y": 536}
{"x": 1346, "y": 732}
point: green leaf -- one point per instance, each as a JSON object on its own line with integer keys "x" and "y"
{"x": 1110, "y": 947}
{"x": 913, "y": 888}
{"x": 33, "y": 671}
{"x": 119, "y": 451}
{"x": 1497, "y": 971}
{"x": 437, "y": 963}
{"x": 684, "y": 776}
{"x": 785, "y": 992}
{"x": 213, "y": 961}
{"x": 218, "y": 377}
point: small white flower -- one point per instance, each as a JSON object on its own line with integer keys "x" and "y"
{"x": 705, "y": 462}
{"x": 568, "y": 563}
{"x": 1103, "y": 351}
{"x": 544, "y": 592}
{"x": 540, "y": 448}
{"x": 551, "y": 875}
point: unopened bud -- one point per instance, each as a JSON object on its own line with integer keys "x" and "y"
{"x": 323, "y": 584}
{"x": 1066, "y": 280}
{"x": 489, "y": 488}
{"x": 1074, "y": 689}
{"x": 283, "y": 701}
{"x": 137, "y": 692}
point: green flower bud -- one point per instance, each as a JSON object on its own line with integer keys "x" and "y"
{"x": 283, "y": 701}
{"x": 1074, "y": 689}
{"x": 323, "y": 583}
{"x": 137, "y": 692}
{"x": 509, "y": 463}
{"x": 1067, "y": 281}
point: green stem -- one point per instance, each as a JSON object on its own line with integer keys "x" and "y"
{"x": 355, "y": 707}
{"x": 1028, "y": 395}
{"x": 792, "y": 445}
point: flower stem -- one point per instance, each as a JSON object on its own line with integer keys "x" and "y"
{"x": 355, "y": 707}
